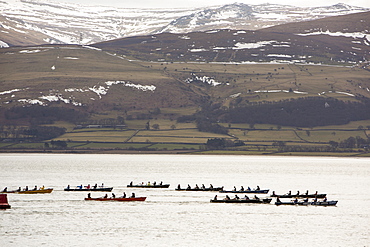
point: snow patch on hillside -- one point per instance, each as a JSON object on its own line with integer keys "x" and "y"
{"x": 355, "y": 35}
{"x": 3, "y": 44}
{"x": 203, "y": 79}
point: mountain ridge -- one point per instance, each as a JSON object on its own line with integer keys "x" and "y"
{"x": 39, "y": 22}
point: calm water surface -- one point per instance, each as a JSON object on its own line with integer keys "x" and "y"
{"x": 180, "y": 218}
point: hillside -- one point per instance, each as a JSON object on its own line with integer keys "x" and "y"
{"x": 292, "y": 87}
{"x": 350, "y": 46}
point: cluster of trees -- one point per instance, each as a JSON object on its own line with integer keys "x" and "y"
{"x": 302, "y": 112}
{"x": 36, "y": 114}
{"x": 221, "y": 143}
{"x": 352, "y": 142}
{"x": 33, "y": 133}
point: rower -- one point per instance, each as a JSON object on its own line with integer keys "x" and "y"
{"x": 246, "y": 197}
{"x": 124, "y": 195}
{"x": 161, "y": 183}
{"x": 35, "y": 187}
{"x": 258, "y": 188}
{"x": 242, "y": 188}
{"x": 89, "y": 195}
{"x": 227, "y": 197}
{"x": 289, "y": 193}
{"x": 26, "y": 189}
{"x": 196, "y": 186}
{"x": 5, "y": 189}
{"x": 215, "y": 198}
{"x": 178, "y": 186}
{"x": 188, "y": 187}
{"x": 203, "y": 187}
{"x": 236, "y": 197}
{"x": 234, "y": 188}
{"x": 106, "y": 196}
{"x": 298, "y": 193}
{"x": 211, "y": 186}
{"x": 113, "y": 195}
{"x": 133, "y": 195}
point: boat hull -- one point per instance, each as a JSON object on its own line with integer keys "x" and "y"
{"x": 120, "y": 199}
{"x": 245, "y": 191}
{"x": 44, "y": 191}
{"x": 266, "y": 201}
{"x": 108, "y": 189}
{"x": 149, "y": 186}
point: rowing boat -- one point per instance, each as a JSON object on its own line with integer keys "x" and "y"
{"x": 39, "y": 191}
{"x": 319, "y": 203}
{"x": 148, "y": 185}
{"x": 299, "y": 195}
{"x": 246, "y": 191}
{"x": 108, "y": 189}
{"x": 201, "y": 189}
{"x": 265, "y": 200}
{"x": 128, "y": 199}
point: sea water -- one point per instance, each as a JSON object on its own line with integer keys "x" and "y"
{"x": 183, "y": 218}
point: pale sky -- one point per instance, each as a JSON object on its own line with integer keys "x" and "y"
{"x": 202, "y": 3}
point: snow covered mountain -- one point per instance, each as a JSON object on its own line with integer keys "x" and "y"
{"x": 30, "y": 22}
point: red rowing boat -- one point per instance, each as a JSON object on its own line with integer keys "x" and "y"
{"x": 121, "y": 199}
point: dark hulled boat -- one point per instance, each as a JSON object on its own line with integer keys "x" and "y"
{"x": 120, "y": 199}
{"x": 201, "y": 189}
{"x": 245, "y": 191}
{"x": 265, "y": 200}
{"x": 78, "y": 188}
{"x": 318, "y": 203}
{"x": 148, "y": 185}
{"x": 299, "y": 195}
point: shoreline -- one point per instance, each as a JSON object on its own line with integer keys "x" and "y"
{"x": 189, "y": 152}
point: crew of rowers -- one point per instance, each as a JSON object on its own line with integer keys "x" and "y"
{"x": 114, "y": 195}
{"x": 87, "y": 187}
{"x": 25, "y": 189}
{"x": 203, "y": 187}
{"x": 304, "y": 200}
{"x": 238, "y": 198}
{"x": 248, "y": 189}
{"x": 148, "y": 184}
{"x": 290, "y": 193}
